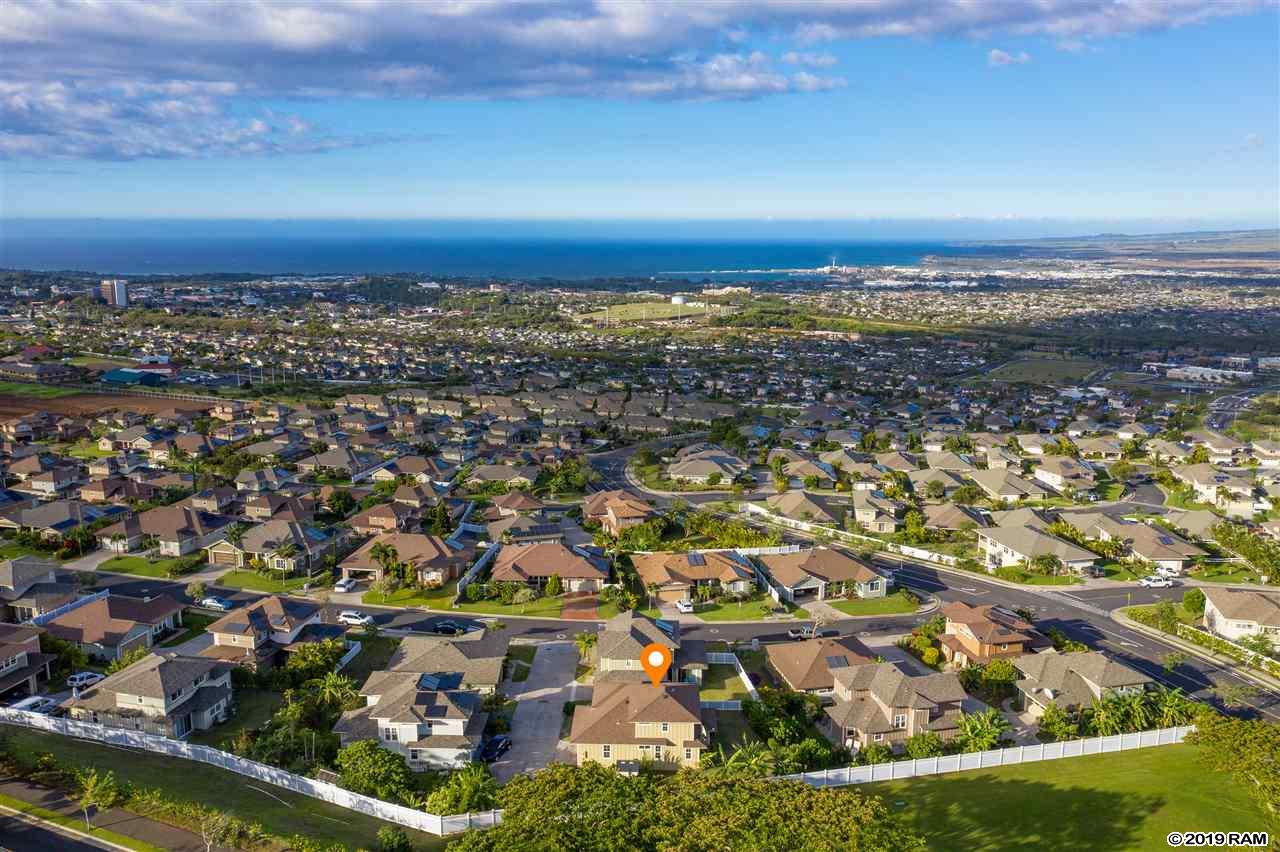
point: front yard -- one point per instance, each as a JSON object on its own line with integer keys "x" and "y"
{"x": 1123, "y": 801}
{"x": 746, "y": 610}
{"x": 438, "y": 598}
{"x": 140, "y": 566}
{"x": 897, "y": 603}
{"x": 193, "y": 624}
{"x": 543, "y": 607}
{"x": 255, "y": 582}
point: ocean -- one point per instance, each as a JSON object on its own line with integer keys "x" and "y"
{"x": 470, "y": 257}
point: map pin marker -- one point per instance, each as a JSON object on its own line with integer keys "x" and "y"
{"x": 656, "y": 659}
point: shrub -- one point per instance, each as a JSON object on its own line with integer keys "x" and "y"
{"x": 930, "y": 656}
{"x": 1193, "y": 601}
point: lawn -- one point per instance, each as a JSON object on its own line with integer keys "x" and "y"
{"x": 253, "y": 708}
{"x": 255, "y": 582}
{"x": 193, "y": 624}
{"x": 543, "y": 607}
{"x": 520, "y": 660}
{"x": 720, "y": 682}
{"x": 1224, "y": 572}
{"x": 1042, "y": 370}
{"x": 10, "y": 550}
{"x": 732, "y": 730}
{"x": 1176, "y": 498}
{"x": 76, "y": 824}
{"x": 375, "y": 652}
{"x": 139, "y": 566}
{"x": 35, "y": 391}
{"x": 280, "y": 812}
{"x": 566, "y": 715}
{"x": 1183, "y": 615}
{"x": 748, "y": 610}
{"x": 1114, "y": 569}
{"x": 441, "y": 598}
{"x": 894, "y": 604}
{"x": 1125, "y": 801}
{"x": 1019, "y": 575}
{"x": 643, "y": 311}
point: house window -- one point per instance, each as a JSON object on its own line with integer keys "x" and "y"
{"x": 390, "y": 734}
{"x": 666, "y": 727}
{"x": 878, "y": 737}
{"x": 413, "y": 754}
{"x": 605, "y": 751}
{"x": 688, "y": 754}
{"x": 900, "y": 721}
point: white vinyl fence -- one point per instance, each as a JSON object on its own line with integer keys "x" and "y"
{"x": 353, "y": 648}
{"x": 989, "y": 759}
{"x": 331, "y": 793}
{"x": 476, "y": 569}
{"x": 727, "y": 659}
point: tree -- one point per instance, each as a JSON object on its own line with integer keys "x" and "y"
{"x": 523, "y": 597}
{"x": 935, "y": 490}
{"x": 1056, "y": 725}
{"x": 128, "y": 659}
{"x": 196, "y": 590}
{"x": 1047, "y": 563}
{"x": 96, "y": 791}
{"x": 1193, "y": 601}
{"x": 1247, "y": 750}
{"x": 1234, "y": 695}
{"x": 1259, "y": 643}
{"x": 1165, "y": 616}
{"x": 1107, "y": 717}
{"x": 982, "y": 731}
{"x": 334, "y": 689}
{"x": 235, "y": 534}
{"x": 875, "y": 753}
{"x": 215, "y": 827}
{"x": 440, "y": 524}
{"x": 1173, "y": 708}
{"x": 471, "y": 788}
{"x": 368, "y": 768}
{"x": 585, "y": 642}
{"x": 554, "y": 585}
{"x": 924, "y": 744}
{"x": 340, "y": 502}
{"x": 392, "y": 838}
{"x": 752, "y": 760}
{"x": 1170, "y": 661}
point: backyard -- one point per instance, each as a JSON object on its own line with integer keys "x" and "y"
{"x": 720, "y": 682}
{"x": 894, "y": 604}
{"x": 279, "y": 811}
{"x": 1129, "y": 800}
{"x": 254, "y": 707}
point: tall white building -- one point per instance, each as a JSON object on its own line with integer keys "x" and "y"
{"x": 116, "y": 292}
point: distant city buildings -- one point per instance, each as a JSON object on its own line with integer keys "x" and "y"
{"x": 116, "y": 292}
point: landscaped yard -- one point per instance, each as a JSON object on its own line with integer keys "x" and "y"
{"x": 1125, "y": 801}
{"x": 193, "y": 624}
{"x": 140, "y": 566}
{"x": 748, "y": 610}
{"x": 543, "y": 607}
{"x": 1114, "y": 569}
{"x": 86, "y": 450}
{"x": 1019, "y": 575}
{"x": 280, "y": 812}
{"x": 720, "y": 682}
{"x": 12, "y": 550}
{"x": 253, "y": 708}
{"x": 1224, "y": 572}
{"x": 256, "y": 582}
{"x": 441, "y": 598}
{"x": 732, "y": 730}
{"x": 894, "y": 604}
{"x": 1183, "y": 615}
{"x": 375, "y": 652}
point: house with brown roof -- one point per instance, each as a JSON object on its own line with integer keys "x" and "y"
{"x": 534, "y": 565}
{"x": 800, "y": 505}
{"x": 976, "y": 635}
{"x": 877, "y": 704}
{"x": 631, "y": 723}
{"x": 164, "y": 693}
{"x": 177, "y": 530}
{"x": 616, "y": 510}
{"x": 256, "y": 635}
{"x": 107, "y": 628}
{"x": 285, "y": 546}
{"x": 476, "y": 659}
{"x": 435, "y": 561}
{"x": 819, "y": 573}
{"x": 678, "y": 575}
{"x": 623, "y": 637}
{"x": 383, "y": 518}
{"x": 1236, "y": 613}
{"x": 22, "y": 665}
{"x": 1074, "y": 680}
{"x": 810, "y": 665}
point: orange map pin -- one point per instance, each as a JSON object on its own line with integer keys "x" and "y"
{"x": 656, "y": 659}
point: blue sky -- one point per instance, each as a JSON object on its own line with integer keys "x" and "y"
{"x": 567, "y": 110}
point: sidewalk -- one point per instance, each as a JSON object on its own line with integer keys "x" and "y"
{"x": 116, "y": 819}
{"x": 1259, "y": 678}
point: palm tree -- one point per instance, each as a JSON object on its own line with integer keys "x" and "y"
{"x": 235, "y": 534}
{"x": 1139, "y": 714}
{"x": 652, "y": 589}
{"x": 1173, "y": 708}
{"x": 751, "y": 760}
{"x": 982, "y": 731}
{"x": 386, "y": 556}
{"x": 1107, "y": 717}
{"x": 334, "y": 689}
{"x": 585, "y": 642}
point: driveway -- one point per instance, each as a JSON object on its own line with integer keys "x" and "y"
{"x": 535, "y": 726}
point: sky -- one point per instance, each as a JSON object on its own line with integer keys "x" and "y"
{"x": 1153, "y": 111}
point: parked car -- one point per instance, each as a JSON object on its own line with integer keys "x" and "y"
{"x": 685, "y": 606}
{"x": 35, "y": 704}
{"x": 808, "y": 632}
{"x": 80, "y": 680}
{"x": 346, "y": 584}
{"x": 220, "y": 604}
{"x": 495, "y": 748}
{"x": 448, "y": 628}
{"x": 1156, "y": 582}
{"x": 352, "y": 618}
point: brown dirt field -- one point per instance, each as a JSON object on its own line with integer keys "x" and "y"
{"x": 90, "y": 403}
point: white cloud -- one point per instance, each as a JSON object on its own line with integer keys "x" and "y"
{"x": 161, "y": 78}
{"x": 1253, "y": 140}
{"x": 997, "y": 58}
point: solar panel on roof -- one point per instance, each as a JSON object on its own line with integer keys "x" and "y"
{"x": 837, "y": 662}
{"x": 697, "y": 559}
{"x": 440, "y": 680}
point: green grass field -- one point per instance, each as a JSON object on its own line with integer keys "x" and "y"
{"x": 893, "y": 604}
{"x": 279, "y": 811}
{"x": 650, "y": 311}
{"x": 10, "y": 550}
{"x": 720, "y": 682}
{"x": 31, "y": 391}
{"x": 543, "y": 607}
{"x": 75, "y": 823}
{"x": 1043, "y": 370}
{"x": 253, "y": 708}
{"x": 441, "y": 598}
{"x": 138, "y": 566}
{"x": 193, "y": 624}
{"x": 1125, "y": 801}
{"x": 255, "y": 582}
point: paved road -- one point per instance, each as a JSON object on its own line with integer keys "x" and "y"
{"x": 22, "y": 835}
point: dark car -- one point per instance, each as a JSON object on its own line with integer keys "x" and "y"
{"x": 495, "y": 748}
{"x": 448, "y": 628}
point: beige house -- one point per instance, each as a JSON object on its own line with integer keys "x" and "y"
{"x": 627, "y": 634}
{"x": 810, "y": 665}
{"x": 630, "y": 723}
{"x": 820, "y": 573}
{"x": 677, "y": 575}
{"x": 1074, "y": 680}
{"x": 163, "y": 693}
{"x": 535, "y": 564}
{"x": 877, "y": 704}
{"x": 1236, "y": 613}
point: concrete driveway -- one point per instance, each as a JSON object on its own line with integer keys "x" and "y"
{"x": 535, "y": 726}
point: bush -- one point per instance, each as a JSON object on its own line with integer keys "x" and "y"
{"x": 1193, "y": 601}
{"x": 930, "y": 656}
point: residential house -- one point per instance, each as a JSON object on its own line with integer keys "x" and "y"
{"x": 632, "y": 723}
{"x": 976, "y": 635}
{"x": 29, "y": 587}
{"x": 1237, "y": 613}
{"x": 1066, "y": 475}
{"x": 432, "y": 559}
{"x": 707, "y": 467}
{"x": 677, "y": 576}
{"x": 257, "y": 634}
{"x": 512, "y": 476}
{"x": 110, "y": 627}
{"x": 176, "y": 530}
{"x": 287, "y": 547}
{"x": 810, "y": 508}
{"x": 616, "y": 510}
{"x": 622, "y": 639}
{"x": 819, "y": 573}
{"x": 1147, "y": 542}
{"x": 54, "y": 521}
{"x": 476, "y": 659}
{"x": 1003, "y": 484}
{"x": 1074, "y": 680}
{"x": 263, "y": 479}
{"x": 877, "y": 704}
{"x": 876, "y": 513}
{"x": 164, "y": 693}
{"x": 22, "y": 665}
{"x": 809, "y": 665}
{"x": 1009, "y": 546}
{"x": 535, "y": 564}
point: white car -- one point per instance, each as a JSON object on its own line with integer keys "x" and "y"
{"x": 346, "y": 584}
{"x": 351, "y": 618}
{"x": 80, "y": 680}
{"x": 684, "y": 606}
{"x": 1156, "y": 582}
